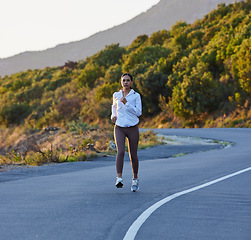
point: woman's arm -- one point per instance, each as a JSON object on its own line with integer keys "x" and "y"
{"x": 137, "y": 108}
{"x": 114, "y": 109}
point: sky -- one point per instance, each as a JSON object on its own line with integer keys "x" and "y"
{"x": 31, "y": 25}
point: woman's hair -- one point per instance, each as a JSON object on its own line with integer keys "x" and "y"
{"x": 127, "y": 74}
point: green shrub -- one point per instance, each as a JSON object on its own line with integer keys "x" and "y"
{"x": 113, "y": 74}
{"x": 109, "y": 56}
{"x": 107, "y": 90}
{"x": 53, "y": 85}
{"x": 14, "y": 113}
{"x": 77, "y": 126}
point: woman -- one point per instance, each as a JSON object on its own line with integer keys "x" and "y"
{"x": 126, "y": 109}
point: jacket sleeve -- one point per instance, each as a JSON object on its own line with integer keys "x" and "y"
{"x": 136, "y": 108}
{"x": 114, "y": 106}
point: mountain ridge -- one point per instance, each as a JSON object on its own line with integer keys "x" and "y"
{"x": 152, "y": 20}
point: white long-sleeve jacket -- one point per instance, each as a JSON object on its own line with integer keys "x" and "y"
{"x": 127, "y": 114}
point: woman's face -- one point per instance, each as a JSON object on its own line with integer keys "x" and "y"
{"x": 126, "y": 82}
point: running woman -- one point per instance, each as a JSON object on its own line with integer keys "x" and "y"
{"x": 126, "y": 109}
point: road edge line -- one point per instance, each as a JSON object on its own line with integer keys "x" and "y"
{"x": 134, "y": 228}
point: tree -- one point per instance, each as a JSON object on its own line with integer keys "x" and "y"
{"x": 106, "y": 90}
{"x": 14, "y": 113}
{"x": 196, "y": 94}
{"x": 146, "y": 55}
{"x": 89, "y": 75}
{"x": 242, "y": 66}
{"x": 139, "y": 41}
{"x": 111, "y": 55}
{"x": 113, "y": 73}
{"x": 151, "y": 85}
{"x": 159, "y": 37}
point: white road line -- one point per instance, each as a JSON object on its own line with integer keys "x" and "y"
{"x": 132, "y": 231}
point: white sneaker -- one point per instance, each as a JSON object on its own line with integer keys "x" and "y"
{"x": 135, "y": 185}
{"x": 119, "y": 182}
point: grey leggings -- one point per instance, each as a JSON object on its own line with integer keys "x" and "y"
{"x": 132, "y": 133}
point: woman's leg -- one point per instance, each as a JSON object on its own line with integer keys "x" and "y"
{"x": 119, "y": 136}
{"x": 133, "y": 139}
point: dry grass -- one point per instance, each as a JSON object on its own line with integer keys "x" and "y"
{"x": 237, "y": 118}
{"x": 43, "y": 147}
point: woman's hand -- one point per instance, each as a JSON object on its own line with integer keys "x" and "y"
{"x": 123, "y": 99}
{"x": 114, "y": 119}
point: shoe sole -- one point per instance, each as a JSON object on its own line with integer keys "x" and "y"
{"x": 119, "y": 185}
{"x": 134, "y": 190}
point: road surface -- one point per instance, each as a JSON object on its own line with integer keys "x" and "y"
{"x": 204, "y": 195}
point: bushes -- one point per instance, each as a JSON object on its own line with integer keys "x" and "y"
{"x": 159, "y": 37}
{"x": 53, "y": 85}
{"x": 89, "y": 75}
{"x": 68, "y": 109}
{"x": 242, "y": 66}
{"x": 196, "y": 95}
{"x": 29, "y": 94}
{"x": 147, "y": 55}
{"x": 197, "y": 68}
{"x": 139, "y": 41}
{"x": 107, "y": 90}
{"x": 151, "y": 85}
{"x": 113, "y": 74}
{"x": 14, "y": 113}
{"x": 77, "y": 126}
{"x": 111, "y": 55}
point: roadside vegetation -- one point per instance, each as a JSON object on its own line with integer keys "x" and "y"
{"x": 52, "y": 145}
{"x": 195, "y": 75}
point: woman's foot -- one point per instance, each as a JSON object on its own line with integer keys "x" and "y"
{"x": 135, "y": 185}
{"x": 119, "y": 182}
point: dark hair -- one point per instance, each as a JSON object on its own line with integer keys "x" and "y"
{"x": 127, "y": 74}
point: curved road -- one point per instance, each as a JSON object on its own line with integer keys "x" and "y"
{"x": 205, "y": 195}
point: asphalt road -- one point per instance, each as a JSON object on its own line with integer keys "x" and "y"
{"x": 188, "y": 197}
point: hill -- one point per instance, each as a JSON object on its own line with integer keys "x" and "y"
{"x": 193, "y": 75}
{"x": 161, "y": 16}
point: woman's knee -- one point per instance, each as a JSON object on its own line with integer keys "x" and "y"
{"x": 121, "y": 153}
{"x": 134, "y": 158}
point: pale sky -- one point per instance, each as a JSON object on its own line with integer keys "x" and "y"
{"x": 28, "y": 25}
